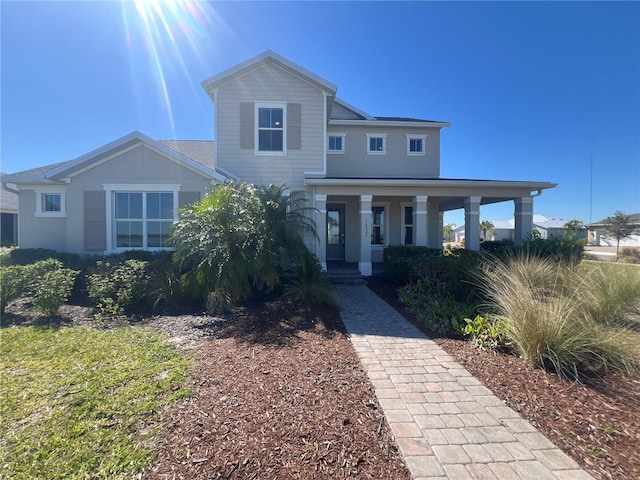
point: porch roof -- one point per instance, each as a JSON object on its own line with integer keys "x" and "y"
{"x": 450, "y": 191}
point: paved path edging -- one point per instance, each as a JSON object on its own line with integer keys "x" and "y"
{"x": 446, "y": 423}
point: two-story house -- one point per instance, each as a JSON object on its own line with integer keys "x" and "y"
{"x": 374, "y": 181}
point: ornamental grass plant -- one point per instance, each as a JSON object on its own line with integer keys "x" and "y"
{"x": 562, "y": 319}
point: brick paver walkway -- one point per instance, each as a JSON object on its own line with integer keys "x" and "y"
{"x": 446, "y": 423}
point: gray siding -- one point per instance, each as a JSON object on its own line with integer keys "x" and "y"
{"x": 272, "y": 84}
{"x": 355, "y": 162}
{"x": 39, "y": 232}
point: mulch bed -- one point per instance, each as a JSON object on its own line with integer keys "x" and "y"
{"x": 597, "y": 424}
{"x": 279, "y": 393}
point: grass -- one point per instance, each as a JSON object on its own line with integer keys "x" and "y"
{"x": 81, "y": 403}
{"x": 574, "y": 320}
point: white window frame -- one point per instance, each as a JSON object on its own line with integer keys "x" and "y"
{"x": 40, "y": 204}
{"x": 112, "y": 189}
{"x": 342, "y": 136}
{"x": 383, "y": 136}
{"x": 270, "y": 153}
{"x": 385, "y": 205}
{"x": 424, "y": 145}
{"x": 403, "y": 225}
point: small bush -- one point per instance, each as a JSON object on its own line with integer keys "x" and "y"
{"x": 53, "y": 289}
{"x": 488, "y": 333}
{"x": 165, "y": 285}
{"x": 311, "y": 285}
{"x": 116, "y": 288}
{"x": 435, "y": 308}
{"x": 12, "y": 285}
{"x": 400, "y": 261}
{"x": 28, "y": 256}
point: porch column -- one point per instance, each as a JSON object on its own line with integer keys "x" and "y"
{"x": 420, "y": 220}
{"x": 434, "y": 228}
{"x": 321, "y": 229}
{"x": 364, "y": 265}
{"x": 523, "y": 219}
{"x": 472, "y": 223}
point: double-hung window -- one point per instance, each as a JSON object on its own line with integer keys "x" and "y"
{"x": 140, "y": 218}
{"x": 376, "y": 143}
{"x": 271, "y": 129}
{"x": 336, "y": 143}
{"x": 416, "y": 144}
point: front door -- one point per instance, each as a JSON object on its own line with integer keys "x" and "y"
{"x": 335, "y": 231}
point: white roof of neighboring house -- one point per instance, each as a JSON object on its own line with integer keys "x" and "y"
{"x": 539, "y": 221}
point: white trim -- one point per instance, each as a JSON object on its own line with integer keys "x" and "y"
{"x": 256, "y": 133}
{"x": 421, "y": 153}
{"x": 390, "y": 123}
{"x": 402, "y": 182}
{"x": 325, "y": 147}
{"x": 52, "y": 190}
{"x": 342, "y": 136}
{"x": 383, "y": 136}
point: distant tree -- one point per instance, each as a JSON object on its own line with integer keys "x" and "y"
{"x": 447, "y": 230}
{"x": 619, "y": 227}
{"x": 486, "y": 227}
{"x": 572, "y": 228}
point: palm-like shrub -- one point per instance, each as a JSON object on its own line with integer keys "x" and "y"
{"x": 549, "y": 311}
{"x": 237, "y": 240}
{"x": 311, "y": 285}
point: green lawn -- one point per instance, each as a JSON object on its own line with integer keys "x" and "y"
{"x": 81, "y": 403}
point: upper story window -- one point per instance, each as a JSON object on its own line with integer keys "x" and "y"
{"x": 271, "y": 129}
{"x": 336, "y": 142}
{"x": 50, "y": 204}
{"x": 376, "y": 143}
{"x": 416, "y": 144}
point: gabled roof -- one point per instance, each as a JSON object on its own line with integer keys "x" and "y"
{"x": 212, "y": 83}
{"x": 8, "y": 199}
{"x": 196, "y": 155}
{"x": 347, "y": 110}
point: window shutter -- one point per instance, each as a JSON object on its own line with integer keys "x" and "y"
{"x": 294, "y": 125}
{"x": 95, "y": 221}
{"x": 247, "y": 125}
{"x": 188, "y": 198}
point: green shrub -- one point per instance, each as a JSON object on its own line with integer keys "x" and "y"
{"x": 116, "y": 288}
{"x": 12, "y": 285}
{"x": 53, "y": 289}
{"x": 488, "y": 332}
{"x": 311, "y": 285}
{"x": 165, "y": 285}
{"x": 28, "y": 256}
{"x": 400, "y": 261}
{"x": 548, "y": 310}
{"x": 438, "y": 310}
{"x": 497, "y": 246}
{"x": 558, "y": 249}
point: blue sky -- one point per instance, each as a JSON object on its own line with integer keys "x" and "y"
{"x": 534, "y": 91}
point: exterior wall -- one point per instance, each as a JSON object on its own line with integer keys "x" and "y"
{"x": 355, "y": 162}
{"x": 140, "y": 165}
{"x": 40, "y": 232}
{"x": 597, "y": 236}
{"x": 270, "y": 83}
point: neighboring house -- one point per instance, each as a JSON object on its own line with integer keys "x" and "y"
{"x": 598, "y": 234}
{"x": 8, "y": 213}
{"x": 374, "y": 181}
{"x": 546, "y": 227}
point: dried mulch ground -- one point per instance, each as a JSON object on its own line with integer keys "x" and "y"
{"x": 597, "y": 424}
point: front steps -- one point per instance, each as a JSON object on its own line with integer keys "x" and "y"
{"x": 345, "y": 277}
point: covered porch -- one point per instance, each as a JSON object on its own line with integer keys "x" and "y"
{"x": 357, "y": 218}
